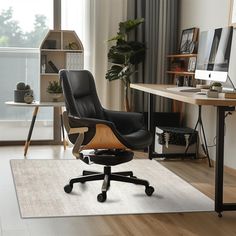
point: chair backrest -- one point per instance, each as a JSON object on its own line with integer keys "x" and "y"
{"x": 80, "y": 94}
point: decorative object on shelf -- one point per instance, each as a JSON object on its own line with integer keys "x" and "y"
{"x": 188, "y": 81}
{"x": 55, "y": 90}
{"x": 50, "y": 44}
{"x": 179, "y": 81}
{"x": 72, "y": 46}
{"x": 74, "y": 61}
{"x": 192, "y": 64}
{"x": 43, "y": 63}
{"x": 22, "y": 89}
{"x": 177, "y": 65}
{"x": 188, "y": 42}
{"x": 124, "y": 56}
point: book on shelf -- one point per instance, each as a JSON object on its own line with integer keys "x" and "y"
{"x": 53, "y": 67}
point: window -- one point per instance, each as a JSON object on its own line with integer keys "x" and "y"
{"x": 23, "y": 25}
{"x": 73, "y": 16}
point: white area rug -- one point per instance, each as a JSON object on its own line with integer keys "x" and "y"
{"x": 39, "y": 186}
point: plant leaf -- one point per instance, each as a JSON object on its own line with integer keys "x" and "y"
{"x": 127, "y": 26}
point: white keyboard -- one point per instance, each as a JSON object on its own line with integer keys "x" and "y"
{"x": 184, "y": 89}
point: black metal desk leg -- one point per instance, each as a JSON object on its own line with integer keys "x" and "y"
{"x": 150, "y": 124}
{"x": 219, "y": 168}
{"x": 200, "y": 123}
{"x": 27, "y": 142}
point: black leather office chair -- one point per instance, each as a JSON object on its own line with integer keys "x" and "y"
{"x": 111, "y": 134}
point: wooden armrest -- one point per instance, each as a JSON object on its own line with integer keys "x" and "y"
{"x": 78, "y": 130}
{"x": 104, "y": 138}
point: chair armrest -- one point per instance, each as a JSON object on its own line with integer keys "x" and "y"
{"x": 125, "y": 122}
{"x": 88, "y": 122}
{"x": 104, "y": 137}
{"x": 69, "y": 129}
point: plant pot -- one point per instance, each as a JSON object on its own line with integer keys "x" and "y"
{"x": 217, "y": 88}
{"x": 55, "y": 96}
{"x": 20, "y": 94}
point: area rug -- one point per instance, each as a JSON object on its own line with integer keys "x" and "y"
{"x": 39, "y": 187}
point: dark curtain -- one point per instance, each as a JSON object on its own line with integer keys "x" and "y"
{"x": 160, "y": 33}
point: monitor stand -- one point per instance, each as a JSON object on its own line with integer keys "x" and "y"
{"x": 232, "y": 88}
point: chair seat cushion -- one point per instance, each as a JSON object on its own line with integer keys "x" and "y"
{"x": 108, "y": 157}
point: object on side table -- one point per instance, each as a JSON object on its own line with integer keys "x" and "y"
{"x": 21, "y": 91}
{"x": 28, "y": 98}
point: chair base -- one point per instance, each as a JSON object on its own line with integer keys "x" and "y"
{"x": 107, "y": 177}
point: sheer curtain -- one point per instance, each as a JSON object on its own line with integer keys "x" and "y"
{"x": 102, "y": 21}
{"x": 95, "y": 22}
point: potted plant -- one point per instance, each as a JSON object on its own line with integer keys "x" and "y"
{"x": 216, "y": 86}
{"x": 22, "y": 90}
{"x": 55, "y": 90}
{"x": 124, "y": 56}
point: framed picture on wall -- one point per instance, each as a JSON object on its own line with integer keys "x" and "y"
{"x": 188, "y": 41}
{"x": 232, "y": 13}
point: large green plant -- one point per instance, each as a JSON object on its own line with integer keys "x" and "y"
{"x": 125, "y": 55}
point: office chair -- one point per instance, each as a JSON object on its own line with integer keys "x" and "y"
{"x": 111, "y": 134}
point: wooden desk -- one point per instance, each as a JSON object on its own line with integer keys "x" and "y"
{"x": 222, "y": 104}
{"x": 56, "y": 128}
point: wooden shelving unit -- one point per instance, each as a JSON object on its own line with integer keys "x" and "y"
{"x": 181, "y": 66}
{"x": 60, "y": 49}
{"x": 180, "y": 70}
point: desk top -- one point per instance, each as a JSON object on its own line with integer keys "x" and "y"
{"x": 187, "y": 97}
{"x": 36, "y": 104}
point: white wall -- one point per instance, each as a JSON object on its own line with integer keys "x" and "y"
{"x": 208, "y": 14}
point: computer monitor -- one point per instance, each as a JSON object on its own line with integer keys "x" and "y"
{"x": 214, "y": 54}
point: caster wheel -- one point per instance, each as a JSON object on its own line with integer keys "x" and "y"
{"x": 220, "y": 215}
{"x": 68, "y": 188}
{"x": 149, "y": 190}
{"x": 102, "y": 197}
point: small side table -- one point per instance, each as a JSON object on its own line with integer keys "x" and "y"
{"x": 37, "y": 105}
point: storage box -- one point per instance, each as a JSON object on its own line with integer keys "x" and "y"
{"x": 174, "y": 140}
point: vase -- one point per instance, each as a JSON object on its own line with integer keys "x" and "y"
{"x": 20, "y": 94}
{"x": 55, "y": 96}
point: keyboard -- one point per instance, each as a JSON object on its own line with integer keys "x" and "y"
{"x": 184, "y": 89}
